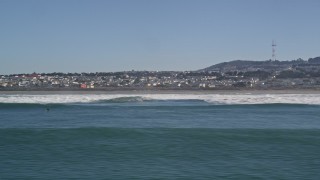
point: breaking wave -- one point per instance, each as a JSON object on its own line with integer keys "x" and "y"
{"x": 313, "y": 99}
{"x": 122, "y": 99}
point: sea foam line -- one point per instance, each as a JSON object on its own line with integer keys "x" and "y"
{"x": 210, "y": 98}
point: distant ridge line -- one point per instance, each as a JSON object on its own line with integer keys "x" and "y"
{"x": 267, "y": 65}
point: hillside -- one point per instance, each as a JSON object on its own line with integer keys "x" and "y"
{"x": 247, "y": 65}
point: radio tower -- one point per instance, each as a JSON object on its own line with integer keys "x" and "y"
{"x": 274, "y": 50}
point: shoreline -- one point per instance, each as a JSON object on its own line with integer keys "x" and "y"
{"x": 200, "y": 92}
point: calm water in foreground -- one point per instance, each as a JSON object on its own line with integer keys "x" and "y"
{"x": 159, "y": 137}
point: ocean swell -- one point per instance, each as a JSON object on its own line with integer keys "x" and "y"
{"x": 228, "y": 99}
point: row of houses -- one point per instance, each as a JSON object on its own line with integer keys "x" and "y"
{"x": 151, "y": 80}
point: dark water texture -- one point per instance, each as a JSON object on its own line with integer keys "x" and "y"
{"x": 159, "y": 140}
{"x": 160, "y": 114}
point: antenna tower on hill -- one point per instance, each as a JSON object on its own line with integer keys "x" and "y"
{"x": 274, "y": 50}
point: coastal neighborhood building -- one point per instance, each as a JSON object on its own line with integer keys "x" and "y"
{"x": 231, "y": 75}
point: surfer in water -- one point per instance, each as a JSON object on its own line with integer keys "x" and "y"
{"x": 47, "y": 109}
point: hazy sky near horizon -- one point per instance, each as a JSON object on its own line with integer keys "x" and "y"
{"x": 118, "y": 35}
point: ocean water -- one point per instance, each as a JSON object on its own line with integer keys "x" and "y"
{"x": 160, "y": 136}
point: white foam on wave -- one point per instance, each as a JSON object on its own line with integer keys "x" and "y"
{"x": 210, "y": 98}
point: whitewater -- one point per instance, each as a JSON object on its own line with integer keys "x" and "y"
{"x": 238, "y": 98}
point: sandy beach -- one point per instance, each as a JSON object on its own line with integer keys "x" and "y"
{"x": 289, "y": 91}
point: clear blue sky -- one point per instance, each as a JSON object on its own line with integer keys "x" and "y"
{"x": 106, "y": 35}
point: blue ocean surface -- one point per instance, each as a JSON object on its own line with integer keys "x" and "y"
{"x": 159, "y": 138}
